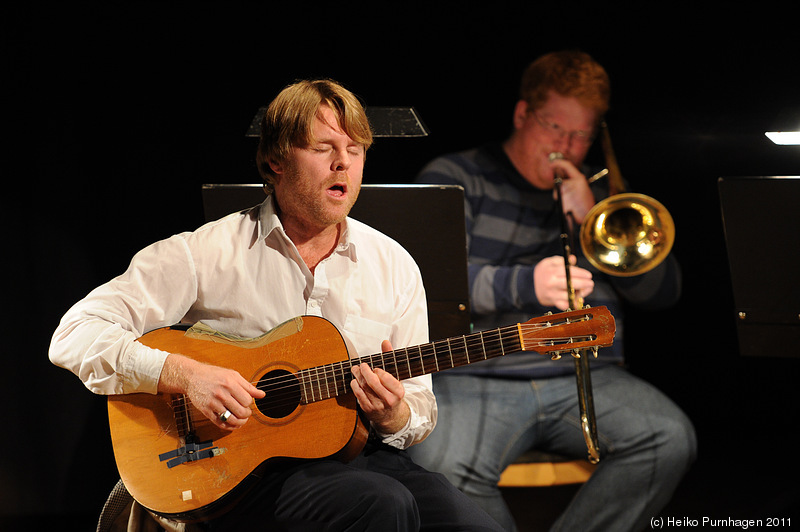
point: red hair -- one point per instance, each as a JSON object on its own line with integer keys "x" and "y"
{"x": 568, "y": 73}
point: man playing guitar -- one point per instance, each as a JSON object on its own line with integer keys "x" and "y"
{"x": 295, "y": 254}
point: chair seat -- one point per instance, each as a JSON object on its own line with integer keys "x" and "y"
{"x": 534, "y": 469}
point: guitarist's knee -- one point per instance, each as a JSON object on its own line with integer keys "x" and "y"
{"x": 380, "y": 504}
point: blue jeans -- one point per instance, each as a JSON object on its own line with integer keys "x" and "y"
{"x": 646, "y": 443}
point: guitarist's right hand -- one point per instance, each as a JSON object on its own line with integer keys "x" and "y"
{"x": 211, "y": 389}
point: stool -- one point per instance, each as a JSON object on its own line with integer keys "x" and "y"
{"x": 535, "y": 468}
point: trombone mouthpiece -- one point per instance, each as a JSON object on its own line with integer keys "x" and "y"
{"x": 555, "y": 155}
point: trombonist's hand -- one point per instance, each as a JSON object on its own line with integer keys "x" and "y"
{"x": 550, "y": 282}
{"x": 576, "y": 195}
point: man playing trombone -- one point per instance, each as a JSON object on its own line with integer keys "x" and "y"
{"x": 492, "y": 412}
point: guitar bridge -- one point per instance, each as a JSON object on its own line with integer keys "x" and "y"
{"x": 190, "y": 452}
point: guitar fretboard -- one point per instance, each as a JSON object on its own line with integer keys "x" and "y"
{"x": 331, "y": 380}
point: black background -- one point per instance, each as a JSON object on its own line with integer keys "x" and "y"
{"x": 115, "y": 116}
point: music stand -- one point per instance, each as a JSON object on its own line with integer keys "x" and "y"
{"x": 427, "y": 220}
{"x": 385, "y": 121}
{"x": 762, "y": 233}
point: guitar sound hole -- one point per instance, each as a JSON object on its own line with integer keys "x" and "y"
{"x": 282, "y": 394}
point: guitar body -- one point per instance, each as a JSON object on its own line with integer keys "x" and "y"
{"x": 149, "y": 432}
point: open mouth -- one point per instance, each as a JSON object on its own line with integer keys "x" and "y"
{"x": 338, "y": 190}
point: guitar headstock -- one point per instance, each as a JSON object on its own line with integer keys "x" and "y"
{"x": 569, "y": 332}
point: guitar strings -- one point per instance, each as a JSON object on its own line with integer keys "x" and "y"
{"x": 443, "y": 354}
{"x": 458, "y": 356}
{"x": 456, "y": 351}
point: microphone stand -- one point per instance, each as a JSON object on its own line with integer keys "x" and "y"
{"x": 582, "y": 375}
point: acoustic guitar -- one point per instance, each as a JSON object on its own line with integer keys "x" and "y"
{"x": 178, "y": 464}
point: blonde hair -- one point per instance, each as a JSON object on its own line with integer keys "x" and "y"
{"x": 569, "y": 73}
{"x": 289, "y": 119}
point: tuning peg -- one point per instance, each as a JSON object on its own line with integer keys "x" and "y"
{"x": 555, "y": 355}
{"x": 576, "y": 353}
{"x": 595, "y": 349}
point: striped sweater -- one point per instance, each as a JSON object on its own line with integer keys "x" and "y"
{"x": 511, "y": 226}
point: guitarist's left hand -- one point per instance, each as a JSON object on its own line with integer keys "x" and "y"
{"x": 380, "y": 396}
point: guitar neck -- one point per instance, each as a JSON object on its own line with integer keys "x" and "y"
{"x": 325, "y": 382}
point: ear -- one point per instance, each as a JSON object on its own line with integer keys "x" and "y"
{"x": 520, "y": 113}
{"x": 275, "y": 166}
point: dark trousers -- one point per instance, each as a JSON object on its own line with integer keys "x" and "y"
{"x": 381, "y": 490}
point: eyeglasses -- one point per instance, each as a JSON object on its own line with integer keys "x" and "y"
{"x": 559, "y": 133}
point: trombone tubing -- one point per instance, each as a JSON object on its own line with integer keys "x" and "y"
{"x": 582, "y": 372}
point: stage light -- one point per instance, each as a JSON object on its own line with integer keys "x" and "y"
{"x": 784, "y": 138}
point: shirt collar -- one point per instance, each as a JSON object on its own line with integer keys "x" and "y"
{"x": 347, "y": 246}
{"x": 268, "y": 220}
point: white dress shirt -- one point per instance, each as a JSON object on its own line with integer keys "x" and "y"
{"x": 243, "y": 276}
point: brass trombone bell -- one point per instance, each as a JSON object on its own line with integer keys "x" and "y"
{"x": 627, "y": 234}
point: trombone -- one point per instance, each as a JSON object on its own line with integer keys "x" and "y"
{"x": 623, "y": 235}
